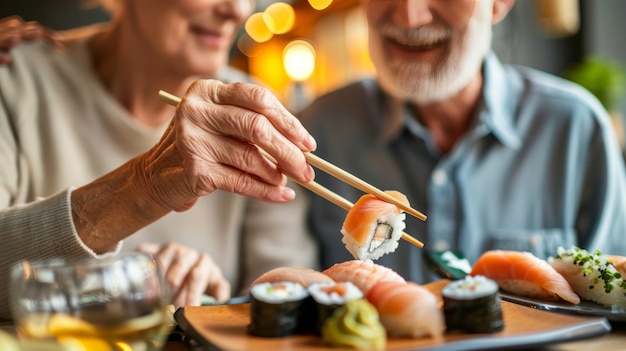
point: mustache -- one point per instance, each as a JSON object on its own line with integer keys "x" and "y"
{"x": 424, "y": 34}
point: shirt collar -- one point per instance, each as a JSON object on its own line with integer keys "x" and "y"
{"x": 499, "y": 102}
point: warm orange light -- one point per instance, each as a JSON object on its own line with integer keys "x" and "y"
{"x": 266, "y": 64}
{"x": 299, "y": 60}
{"x": 257, "y": 29}
{"x": 320, "y": 4}
{"x": 279, "y": 17}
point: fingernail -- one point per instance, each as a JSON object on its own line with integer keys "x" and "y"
{"x": 310, "y": 143}
{"x": 309, "y": 174}
{"x": 287, "y": 193}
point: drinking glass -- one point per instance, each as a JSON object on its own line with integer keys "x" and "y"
{"x": 117, "y": 303}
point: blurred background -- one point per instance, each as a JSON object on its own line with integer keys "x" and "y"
{"x": 303, "y": 48}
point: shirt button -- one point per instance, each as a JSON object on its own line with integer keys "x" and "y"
{"x": 439, "y": 177}
{"x": 441, "y": 245}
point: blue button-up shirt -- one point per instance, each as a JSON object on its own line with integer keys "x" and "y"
{"x": 540, "y": 168}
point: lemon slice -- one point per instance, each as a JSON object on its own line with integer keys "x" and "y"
{"x": 85, "y": 343}
{"x": 149, "y": 321}
{"x": 35, "y": 326}
{"x": 62, "y": 324}
{"x": 7, "y": 342}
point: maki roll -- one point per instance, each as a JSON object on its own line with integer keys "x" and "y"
{"x": 276, "y": 309}
{"x": 373, "y": 227}
{"x": 328, "y": 297}
{"x": 472, "y": 305}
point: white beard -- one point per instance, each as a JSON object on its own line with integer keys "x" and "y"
{"x": 422, "y": 83}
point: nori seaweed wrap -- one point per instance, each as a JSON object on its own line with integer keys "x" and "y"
{"x": 472, "y": 305}
{"x": 327, "y": 297}
{"x": 276, "y": 309}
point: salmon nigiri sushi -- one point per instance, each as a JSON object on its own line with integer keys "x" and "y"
{"x": 373, "y": 227}
{"x": 407, "y": 309}
{"x": 363, "y": 274}
{"x": 524, "y": 274}
{"x": 302, "y": 276}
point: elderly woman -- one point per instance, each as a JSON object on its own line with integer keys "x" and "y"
{"x": 93, "y": 162}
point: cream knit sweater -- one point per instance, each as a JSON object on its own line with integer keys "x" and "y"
{"x": 59, "y": 128}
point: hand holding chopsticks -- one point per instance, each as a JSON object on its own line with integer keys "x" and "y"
{"x": 339, "y": 174}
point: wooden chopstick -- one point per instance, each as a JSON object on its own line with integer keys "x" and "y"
{"x": 330, "y": 169}
{"x": 169, "y": 98}
{"x": 346, "y": 205}
{"x": 337, "y": 199}
{"x": 358, "y": 183}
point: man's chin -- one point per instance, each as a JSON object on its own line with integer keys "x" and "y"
{"x": 422, "y": 94}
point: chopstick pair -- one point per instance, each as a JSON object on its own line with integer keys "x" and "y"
{"x": 337, "y": 173}
{"x": 338, "y": 199}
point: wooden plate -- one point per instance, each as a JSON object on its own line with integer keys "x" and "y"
{"x": 225, "y": 328}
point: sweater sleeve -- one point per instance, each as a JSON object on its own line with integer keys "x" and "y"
{"x": 38, "y": 230}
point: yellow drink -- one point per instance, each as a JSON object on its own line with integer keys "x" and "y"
{"x": 144, "y": 333}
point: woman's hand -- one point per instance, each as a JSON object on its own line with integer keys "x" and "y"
{"x": 13, "y": 30}
{"x": 189, "y": 273}
{"x": 212, "y": 144}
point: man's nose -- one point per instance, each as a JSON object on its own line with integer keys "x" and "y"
{"x": 413, "y": 13}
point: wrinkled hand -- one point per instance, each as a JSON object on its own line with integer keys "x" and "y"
{"x": 13, "y": 30}
{"x": 212, "y": 144}
{"x": 189, "y": 273}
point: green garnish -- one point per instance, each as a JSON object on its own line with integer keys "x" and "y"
{"x": 591, "y": 263}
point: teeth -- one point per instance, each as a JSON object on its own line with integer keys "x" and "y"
{"x": 417, "y": 38}
{"x": 414, "y": 45}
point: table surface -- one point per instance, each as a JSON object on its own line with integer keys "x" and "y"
{"x": 613, "y": 341}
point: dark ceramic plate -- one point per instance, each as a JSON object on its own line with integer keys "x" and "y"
{"x": 584, "y": 308}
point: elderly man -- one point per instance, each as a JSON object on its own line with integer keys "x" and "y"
{"x": 496, "y": 156}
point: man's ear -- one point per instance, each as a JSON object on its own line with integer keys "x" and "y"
{"x": 500, "y": 9}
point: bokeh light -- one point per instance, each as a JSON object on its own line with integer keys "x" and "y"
{"x": 279, "y": 17}
{"x": 299, "y": 60}
{"x": 257, "y": 29}
{"x": 320, "y": 4}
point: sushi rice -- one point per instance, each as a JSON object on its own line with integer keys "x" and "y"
{"x": 384, "y": 236}
{"x": 591, "y": 275}
{"x": 329, "y": 297}
{"x": 471, "y": 287}
{"x": 278, "y": 292}
{"x": 319, "y": 293}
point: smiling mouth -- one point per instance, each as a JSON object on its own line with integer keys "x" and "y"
{"x": 202, "y": 31}
{"x": 211, "y": 38}
{"x": 416, "y": 46}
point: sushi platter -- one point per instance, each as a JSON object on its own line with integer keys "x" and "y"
{"x": 584, "y": 308}
{"x": 225, "y": 327}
